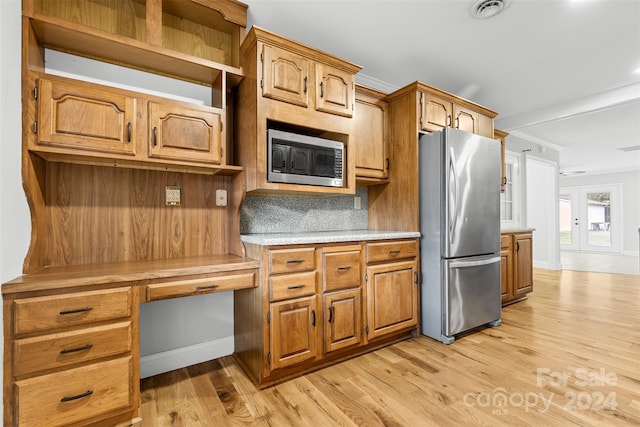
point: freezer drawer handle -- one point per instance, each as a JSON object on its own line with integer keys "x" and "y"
{"x": 462, "y": 264}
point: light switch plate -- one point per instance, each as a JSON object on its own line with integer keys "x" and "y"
{"x": 172, "y": 195}
{"x": 221, "y": 197}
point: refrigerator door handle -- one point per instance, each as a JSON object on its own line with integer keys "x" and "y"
{"x": 453, "y": 194}
{"x": 462, "y": 264}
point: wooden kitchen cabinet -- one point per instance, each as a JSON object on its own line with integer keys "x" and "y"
{"x": 292, "y": 331}
{"x": 85, "y": 118}
{"x": 305, "y": 315}
{"x": 414, "y": 108}
{"x": 85, "y": 122}
{"x": 392, "y": 288}
{"x": 185, "y": 133}
{"x": 72, "y": 357}
{"x": 370, "y": 136}
{"x": 291, "y": 87}
{"x": 439, "y": 110}
{"x": 516, "y": 261}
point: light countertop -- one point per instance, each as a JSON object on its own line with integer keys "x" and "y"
{"x": 516, "y": 230}
{"x": 271, "y": 239}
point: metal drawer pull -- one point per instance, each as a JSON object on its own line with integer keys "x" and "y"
{"x": 77, "y": 310}
{"x": 296, "y": 287}
{"x": 73, "y": 350}
{"x": 77, "y": 396}
{"x": 394, "y": 252}
{"x": 294, "y": 261}
{"x": 344, "y": 267}
{"x": 204, "y": 288}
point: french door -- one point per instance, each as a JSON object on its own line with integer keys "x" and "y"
{"x": 589, "y": 218}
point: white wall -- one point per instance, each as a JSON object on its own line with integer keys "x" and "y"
{"x": 15, "y": 222}
{"x": 630, "y": 183}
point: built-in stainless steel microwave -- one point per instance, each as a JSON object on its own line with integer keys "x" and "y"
{"x": 301, "y": 159}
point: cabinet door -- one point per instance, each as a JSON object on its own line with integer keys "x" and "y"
{"x": 436, "y": 113}
{"x": 335, "y": 90}
{"x": 293, "y": 332}
{"x": 392, "y": 298}
{"x": 182, "y": 133}
{"x": 285, "y": 76}
{"x": 342, "y": 314}
{"x": 506, "y": 275}
{"x": 85, "y": 118}
{"x": 370, "y": 138}
{"x": 523, "y": 264}
{"x": 465, "y": 119}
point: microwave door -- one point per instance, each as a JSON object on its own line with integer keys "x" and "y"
{"x": 324, "y": 162}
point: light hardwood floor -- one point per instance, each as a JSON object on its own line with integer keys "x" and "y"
{"x": 568, "y": 355}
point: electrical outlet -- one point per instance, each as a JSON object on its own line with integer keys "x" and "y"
{"x": 357, "y": 203}
{"x": 172, "y": 195}
{"x": 221, "y": 197}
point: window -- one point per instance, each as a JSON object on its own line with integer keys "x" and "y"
{"x": 509, "y": 198}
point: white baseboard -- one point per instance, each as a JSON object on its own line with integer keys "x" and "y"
{"x": 547, "y": 265}
{"x": 169, "y": 360}
{"x": 630, "y": 253}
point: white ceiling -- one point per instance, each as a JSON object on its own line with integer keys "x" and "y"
{"x": 559, "y": 72}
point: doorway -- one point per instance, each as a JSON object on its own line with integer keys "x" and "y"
{"x": 589, "y": 218}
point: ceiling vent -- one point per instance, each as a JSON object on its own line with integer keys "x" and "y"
{"x": 484, "y": 9}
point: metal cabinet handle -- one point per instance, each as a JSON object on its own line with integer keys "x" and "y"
{"x": 155, "y": 136}
{"x": 129, "y": 132}
{"x": 330, "y": 314}
{"x": 313, "y": 318}
{"x": 517, "y": 246}
{"x": 294, "y": 261}
{"x": 204, "y": 288}
{"x": 321, "y": 89}
{"x": 504, "y": 180}
{"x": 344, "y": 267}
{"x": 449, "y": 120}
{"x": 457, "y": 123}
{"x": 292, "y": 287}
{"x": 75, "y": 350}
{"x": 305, "y": 85}
{"x": 394, "y": 252}
{"x": 77, "y": 396}
{"x": 77, "y": 310}
{"x": 387, "y": 163}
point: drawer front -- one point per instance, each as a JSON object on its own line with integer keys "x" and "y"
{"x": 77, "y": 394}
{"x": 183, "y": 288}
{"x": 341, "y": 270}
{"x": 59, "y": 350}
{"x": 41, "y": 313}
{"x": 292, "y": 286}
{"x": 291, "y": 260}
{"x": 505, "y": 241}
{"x": 389, "y": 251}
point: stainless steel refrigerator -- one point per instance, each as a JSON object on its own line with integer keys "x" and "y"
{"x": 460, "y": 232}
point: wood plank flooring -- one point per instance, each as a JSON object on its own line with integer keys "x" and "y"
{"x": 567, "y": 356}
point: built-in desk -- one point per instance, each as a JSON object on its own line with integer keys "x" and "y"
{"x": 71, "y": 353}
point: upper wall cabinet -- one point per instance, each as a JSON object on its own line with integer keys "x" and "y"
{"x": 82, "y": 122}
{"x": 439, "y": 110}
{"x": 195, "y": 40}
{"x": 370, "y": 136}
{"x": 290, "y": 86}
{"x": 501, "y": 136}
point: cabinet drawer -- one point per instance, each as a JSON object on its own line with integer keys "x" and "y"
{"x": 77, "y": 394}
{"x": 183, "y": 288}
{"x": 341, "y": 270}
{"x": 291, "y": 260}
{"x": 389, "y": 251}
{"x": 505, "y": 241}
{"x": 58, "y": 350}
{"x": 292, "y": 286}
{"x": 41, "y": 313}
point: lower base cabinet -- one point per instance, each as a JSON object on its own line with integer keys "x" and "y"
{"x": 516, "y": 254}
{"x": 316, "y": 305}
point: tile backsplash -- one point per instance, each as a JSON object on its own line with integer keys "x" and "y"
{"x": 289, "y": 214}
